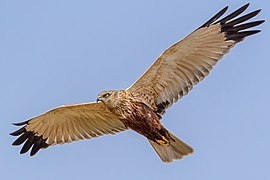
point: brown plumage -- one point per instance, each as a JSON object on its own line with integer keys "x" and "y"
{"x": 137, "y": 116}
{"x": 141, "y": 106}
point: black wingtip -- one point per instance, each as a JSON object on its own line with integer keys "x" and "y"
{"x": 262, "y": 21}
{"x": 40, "y": 143}
{"x": 235, "y": 26}
{"x": 243, "y": 8}
{"x": 21, "y": 139}
{"x": 34, "y": 150}
{"x": 233, "y": 14}
{"x": 21, "y": 123}
{"x": 231, "y": 20}
{"x": 246, "y": 6}
{"x": 28, "y": 144}
{"x": 243, "y": 18}
{"x": 18, "y": 132}
{"x": 244, "y": 26}
{"x": 215, "y": 17}
{"x": 257, "y": 11}
{"x": 30, "y": 140}
{"x": 224, "y": 9}
{"x": 237, "y": 37}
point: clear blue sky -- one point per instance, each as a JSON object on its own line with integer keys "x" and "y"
{"x": 66, "y": 52}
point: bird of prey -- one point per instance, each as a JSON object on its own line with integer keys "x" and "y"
{"x": 141, "y": 106}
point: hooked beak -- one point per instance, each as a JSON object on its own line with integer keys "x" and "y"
{"x": 98, "y": 99}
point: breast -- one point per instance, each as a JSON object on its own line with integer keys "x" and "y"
{"x": 142, "y": 119}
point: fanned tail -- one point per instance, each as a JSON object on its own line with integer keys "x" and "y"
{"x": 175, "y": 150}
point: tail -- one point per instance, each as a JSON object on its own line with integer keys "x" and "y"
{"x": 175, "y": 150}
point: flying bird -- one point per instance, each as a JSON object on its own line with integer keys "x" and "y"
{"x": 141, "y": 106}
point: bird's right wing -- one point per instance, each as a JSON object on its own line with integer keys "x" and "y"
{"x": 66, "y": 124}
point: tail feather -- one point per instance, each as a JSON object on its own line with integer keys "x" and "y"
{"x": 175, "y": 150}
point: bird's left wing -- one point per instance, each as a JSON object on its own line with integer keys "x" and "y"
{"x": 66, "y": 124}
{"x": 190, "y": 60}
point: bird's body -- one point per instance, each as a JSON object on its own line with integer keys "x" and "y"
{"x": 141, "y": 106}
{"x": 138, "y": 116}
{"x": 145, "y": 121}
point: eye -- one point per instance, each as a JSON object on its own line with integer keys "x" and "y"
{"x": 106, "y": 95}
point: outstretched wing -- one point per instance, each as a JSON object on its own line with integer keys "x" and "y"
{"x": 190, "y": 60}
{"x": 66, "y": 124}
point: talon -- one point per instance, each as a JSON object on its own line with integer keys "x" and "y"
{"x": 165, "y": 139}
{"x": 164, "y": 142}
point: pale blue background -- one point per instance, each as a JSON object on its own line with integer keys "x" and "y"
{"x": 64, "y": 52}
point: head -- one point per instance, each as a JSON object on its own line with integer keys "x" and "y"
{"x": 107, "y": 97}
